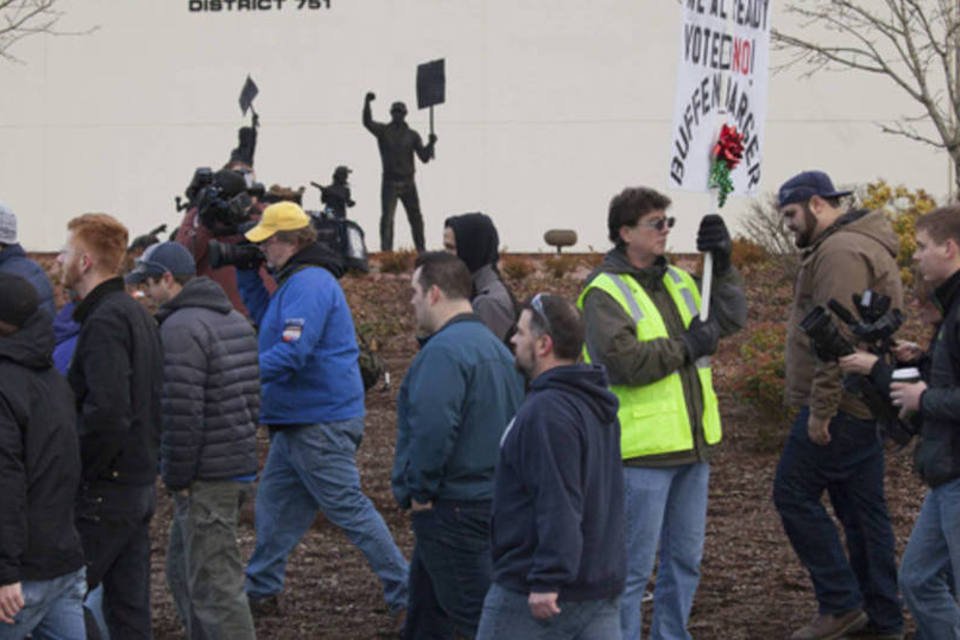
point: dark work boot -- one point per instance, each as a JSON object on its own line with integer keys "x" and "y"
{"x": 832, "y": 626}
{"x": 268, "y": 607}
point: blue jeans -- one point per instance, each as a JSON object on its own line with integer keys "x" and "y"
{"x": 931, "y": 559}
{"x": 450, "y": 570}
{"x": 93, "y": 611}
{"x": 314, "y": 467}
{"x": 52, "y": 610}
{"x": 850, "y": 470}
{"x": 506, "y": 616}
{"x": 665, "y": 507}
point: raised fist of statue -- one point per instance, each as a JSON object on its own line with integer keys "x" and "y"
{"x": 432, "y": 138}
{"x": 371, "y": 96}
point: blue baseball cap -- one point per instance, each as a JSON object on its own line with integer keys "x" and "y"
{"x": 161, "y": 258}
{"x": 804, "y": 186}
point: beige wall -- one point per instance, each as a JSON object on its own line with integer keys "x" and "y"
{"x": 551, "y": 108}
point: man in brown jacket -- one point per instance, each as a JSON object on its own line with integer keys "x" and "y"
{"x": 833, "y": 445}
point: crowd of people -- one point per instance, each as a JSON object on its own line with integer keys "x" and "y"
{"x": 552, "y": 454}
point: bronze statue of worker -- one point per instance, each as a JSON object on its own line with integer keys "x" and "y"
{"x": 397, "y": 143}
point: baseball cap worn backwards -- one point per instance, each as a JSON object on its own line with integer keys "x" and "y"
{"x": 282, "y": 216}
{"x": 161, "y": 258}
{"x": 804, "y": 186}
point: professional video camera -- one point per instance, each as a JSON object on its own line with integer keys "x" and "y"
{"x": 246, "y": 255}
{"x": 875, "y": 328}
{"x": 243, "y": 254}
{"x": 222, "y": 199}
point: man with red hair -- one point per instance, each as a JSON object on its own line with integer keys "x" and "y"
{"x": 116, "y": 375}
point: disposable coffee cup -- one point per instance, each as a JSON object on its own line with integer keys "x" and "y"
{"x": 906, "y": 374}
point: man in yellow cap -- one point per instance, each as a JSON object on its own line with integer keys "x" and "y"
{"x": 313, "y": 404}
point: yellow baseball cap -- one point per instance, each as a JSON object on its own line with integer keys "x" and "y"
{"x": 282, "y": 216}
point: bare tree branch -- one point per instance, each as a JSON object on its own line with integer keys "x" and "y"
{"x": 23, "y": 18}
{"x": 913, "y": 43}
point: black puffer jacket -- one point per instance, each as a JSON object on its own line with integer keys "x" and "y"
{"x": 211, "y": 387}
{"x": 39, "y": 459}
{"x": 938, "y": 453}
{"x": 116, "y": 375}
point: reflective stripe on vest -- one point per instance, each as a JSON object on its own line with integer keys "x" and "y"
{"x": 653, "y": 417}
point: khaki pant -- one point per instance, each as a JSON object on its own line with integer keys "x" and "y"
{"x": 204, "y": 569}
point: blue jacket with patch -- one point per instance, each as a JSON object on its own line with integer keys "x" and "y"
{"x": 308, "y": 349}
{"x": 457, "y": 398}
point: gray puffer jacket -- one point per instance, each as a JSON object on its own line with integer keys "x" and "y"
{"x": 211, "y": 387}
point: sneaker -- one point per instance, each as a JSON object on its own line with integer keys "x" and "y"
{"x": 267, "y": 607}
{"x": 832, "y": 626}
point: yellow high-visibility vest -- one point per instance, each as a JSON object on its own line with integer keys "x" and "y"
{"x": 653, "y": 417}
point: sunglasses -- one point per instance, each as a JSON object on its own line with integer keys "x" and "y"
{"x": 536, "y": 303}
{"x": 659, "y": 224}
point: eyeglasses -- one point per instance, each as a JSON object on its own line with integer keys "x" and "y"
{"x": 659, "y": 224}
{"x": 536, "y": 303}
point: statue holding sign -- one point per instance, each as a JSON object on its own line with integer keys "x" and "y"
{"x": 397, "y": 143}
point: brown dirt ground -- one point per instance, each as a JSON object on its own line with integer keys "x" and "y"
{"x": 752, "y": 585}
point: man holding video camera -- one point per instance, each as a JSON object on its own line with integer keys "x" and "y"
{"x": 833, "y": 445}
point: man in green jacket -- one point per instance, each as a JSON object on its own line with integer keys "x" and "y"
{"x": 642, "y": 325}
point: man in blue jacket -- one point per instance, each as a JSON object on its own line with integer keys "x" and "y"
{"x": 312, "y": 401}
{"x": 457, "y": 398}
{"x": 559, "y": 556}
{"x": 14, "y": 260}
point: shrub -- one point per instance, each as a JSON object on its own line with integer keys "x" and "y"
{"x": 761, "y": 381}
{"x": 903, "y": 207}
{"x": 763, "y": 225}
{"x": 747, "y": 253}
{"x": 516, "y": 267}
{"x": 559, "y": 266}
{"x": 398, "y": 261}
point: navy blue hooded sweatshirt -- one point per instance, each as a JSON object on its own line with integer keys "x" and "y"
{"x": 558, "y": 522}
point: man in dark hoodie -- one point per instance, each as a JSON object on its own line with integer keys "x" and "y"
{"x": 208, "y": 448}
{"x": 473, "y": 238}
{"x": 559, "y": 560}
{"x": 313, "y": 403}
{"x": 833, "y": 445}
{"x": 41, "y": 560}
{"x": 14, "y": 260}
{"x": 643, "y": 326}
{"x": 116, "y": 375}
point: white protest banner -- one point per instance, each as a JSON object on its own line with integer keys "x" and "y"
{"x": 722, "y": 79}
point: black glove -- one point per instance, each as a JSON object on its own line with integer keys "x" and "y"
{"x": 714, "y": 237}
{"x": 701, "y": 338}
